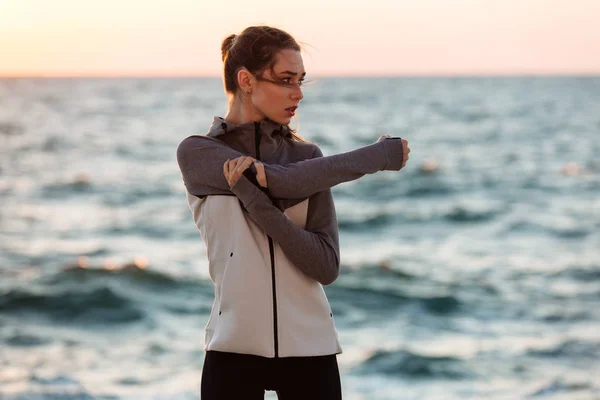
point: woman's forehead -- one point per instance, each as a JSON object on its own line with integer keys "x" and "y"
{"x": 289, "y": 60}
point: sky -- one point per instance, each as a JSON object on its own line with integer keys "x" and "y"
{"x": 340, "y": 38}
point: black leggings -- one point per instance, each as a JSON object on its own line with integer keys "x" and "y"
{"x": 246, "y": 377}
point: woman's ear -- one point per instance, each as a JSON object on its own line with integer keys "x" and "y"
{"x": 245, "y": 80}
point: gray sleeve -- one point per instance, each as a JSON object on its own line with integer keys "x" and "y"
{"x": 307, "y": 177}
{"x": 314, "y": 250}
{"x": 201, "y": 160}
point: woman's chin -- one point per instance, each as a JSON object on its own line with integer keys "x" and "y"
{"x": 281, "y": 120}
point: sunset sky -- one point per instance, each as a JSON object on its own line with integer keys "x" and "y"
{"x": 367, "y": 37}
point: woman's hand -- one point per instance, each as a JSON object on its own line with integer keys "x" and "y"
{"x": 233, "y": 169}
{"x": 405, "y": 148}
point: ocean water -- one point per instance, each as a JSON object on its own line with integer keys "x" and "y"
{"x": 473, "y": 273}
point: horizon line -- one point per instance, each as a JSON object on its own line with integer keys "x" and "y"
{"x": 315, "y": 76}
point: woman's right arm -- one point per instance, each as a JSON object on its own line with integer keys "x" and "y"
{"x": 201, "y": 160}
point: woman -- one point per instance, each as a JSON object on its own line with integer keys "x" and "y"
{"x": 261, "y": 198}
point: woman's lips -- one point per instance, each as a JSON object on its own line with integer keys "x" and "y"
{"x": 291, "y": 111}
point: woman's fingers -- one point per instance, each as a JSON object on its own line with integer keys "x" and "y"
{"x": 233, "y": 169}
{"x": 261, "y": 176}
{"x": 406, "y": 151}
{"x": 242, "y": 164}
{"x": 383, "y": 137}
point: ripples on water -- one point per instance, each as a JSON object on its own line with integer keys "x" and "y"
{"x": 472, "y": 273}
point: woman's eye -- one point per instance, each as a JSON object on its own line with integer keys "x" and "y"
{"x": 288, "y": 81}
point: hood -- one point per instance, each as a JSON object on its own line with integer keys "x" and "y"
{"x": 267, "y": 127}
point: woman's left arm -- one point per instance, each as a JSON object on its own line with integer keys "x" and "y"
{"x": 315, "y": 249}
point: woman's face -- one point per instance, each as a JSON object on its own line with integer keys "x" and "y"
{"x": 276, "y": 93}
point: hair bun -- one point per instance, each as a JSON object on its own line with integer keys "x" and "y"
{"x": 226, "y": 45}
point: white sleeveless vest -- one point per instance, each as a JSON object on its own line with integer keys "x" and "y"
{"x": 250, "y": 314}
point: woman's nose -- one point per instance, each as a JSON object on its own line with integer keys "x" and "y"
{"x": 297, "y": 93}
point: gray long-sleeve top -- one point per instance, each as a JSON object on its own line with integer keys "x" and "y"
{"x": 295, "y": 171}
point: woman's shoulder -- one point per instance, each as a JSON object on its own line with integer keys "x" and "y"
{"x": 306, "y": 149}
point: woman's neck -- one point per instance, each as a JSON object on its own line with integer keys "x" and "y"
{"x": 240, "y": 112}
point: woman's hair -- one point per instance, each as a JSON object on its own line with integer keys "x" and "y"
{"x": 255, "y": 49}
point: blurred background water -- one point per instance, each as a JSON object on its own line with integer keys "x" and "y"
{"x": 472, "y": 273}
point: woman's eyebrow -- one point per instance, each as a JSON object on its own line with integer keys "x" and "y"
{"x": 292, "y": 73}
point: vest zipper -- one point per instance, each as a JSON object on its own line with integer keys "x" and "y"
{"x": 271, "y": 250}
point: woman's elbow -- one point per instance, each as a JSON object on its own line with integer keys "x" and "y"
{"x": 331, "y": 274}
